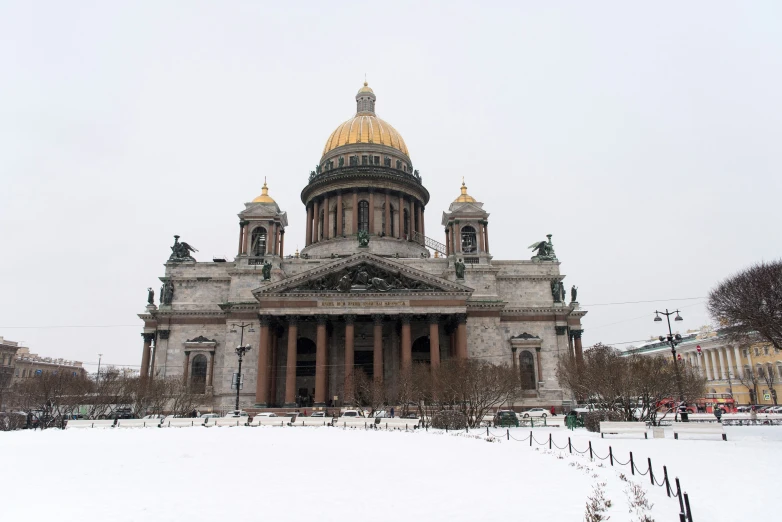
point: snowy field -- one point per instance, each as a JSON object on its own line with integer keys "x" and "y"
{"x": 331, "y": 474}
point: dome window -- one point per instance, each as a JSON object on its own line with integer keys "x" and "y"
{"x": 363, "y": 215}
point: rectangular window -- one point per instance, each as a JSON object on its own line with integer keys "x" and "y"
{"x": 364, "y": 160}
{"x": 757, "y": 352}
{"x": 377, "y": 160}
{"x": 765, "y": 350}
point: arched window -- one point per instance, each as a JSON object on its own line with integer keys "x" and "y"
{"x": 363, "y": 215}
{"x": 406, "y": 222}
{"x": 259, "y": 242}
{"x": 198, "y": 374}
{"x": 469, "y": 240}
{"x": 527, "y": 370}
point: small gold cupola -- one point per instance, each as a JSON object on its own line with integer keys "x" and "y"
{"x": 464, "y": 197}
{"x": 264, "y": 197}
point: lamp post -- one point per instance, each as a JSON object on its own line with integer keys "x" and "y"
{"x": 241, "y": 350}
{"x": 673, "y": 340}
{"x": 97, "y": 378}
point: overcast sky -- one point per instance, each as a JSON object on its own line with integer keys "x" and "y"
{"x": 645, "y": 138}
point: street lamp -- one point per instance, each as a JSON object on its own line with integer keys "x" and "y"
{"x": 97, "y": 378}
{"x": 241, "y": 350}
{"x": 673, "y": 340}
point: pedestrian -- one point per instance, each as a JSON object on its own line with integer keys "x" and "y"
{"x": 305, "y": 412}
{"x": 753, "y": 414}
{"x": 553, "y": 412}
{"x": 718, "y": 413}
{"x": 392, "y": 412}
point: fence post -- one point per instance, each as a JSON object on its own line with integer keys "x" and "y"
{"x": 611, "y": 455}
{"x": 667, "y": 484}
{"x": 569, "y": 446}
{"x": 530, "y": 438}
{"x": 632, "y": 464}
{"x": 487, "y": 431}
{"x": 531, "y": 422}
{"x": 466, "y": 429}
{"x": 687, "y": 505}
{"x": 679, "y": 495}
{"x": 651, "y": 471}
{"x": 507, "y": 433}
{"x": 590, "y": 451}
{"x": 549, "y": 441}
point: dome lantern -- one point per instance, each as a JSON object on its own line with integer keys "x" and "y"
{"x": 365, "y": 100}
{"x": 264, "y": 197}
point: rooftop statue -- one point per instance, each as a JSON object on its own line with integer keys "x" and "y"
{"x": 573, "y": 294}
{"x": 266, "y": 270}
{"x": 363, "y": 239}
{"x": 545, "y": 250}
{"x": 181, "y": 251}
{"x": 459, "y": 267}
{"x": 150, "y": 296}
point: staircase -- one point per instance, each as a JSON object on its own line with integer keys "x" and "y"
{"x": 429, "y": 243}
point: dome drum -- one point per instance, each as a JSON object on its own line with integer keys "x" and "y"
{"x": 376, "y": 177}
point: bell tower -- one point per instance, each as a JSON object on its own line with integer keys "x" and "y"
{"x": 262, "y": 230}
{"x": 467, "y": 230}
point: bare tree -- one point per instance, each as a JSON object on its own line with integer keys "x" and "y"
{"x": 750, "y": 303}
{"x": 749, "y": 379}
{"x": 633, "y": 385}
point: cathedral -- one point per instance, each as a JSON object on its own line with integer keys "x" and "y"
{"x": 370, "y": 291}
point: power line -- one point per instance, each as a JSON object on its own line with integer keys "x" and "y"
{"x": 653, "y": 301}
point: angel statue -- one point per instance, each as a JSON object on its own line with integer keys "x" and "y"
{"x": 545, "y": 250}
{"x": 181, "y": 251}
{"x": 363, "y": 238}
{"x": 573, "y": 294}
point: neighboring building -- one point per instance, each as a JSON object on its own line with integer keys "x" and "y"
{"x": 365, "y": 293}
{"x": 30, "y": 364}
{"x": 8, "y": 351}
{"x": 751, "y": 373}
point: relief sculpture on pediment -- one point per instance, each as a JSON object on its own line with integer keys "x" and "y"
{"x": 364, "y": 278}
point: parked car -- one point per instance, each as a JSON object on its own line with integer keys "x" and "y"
{"x": 534, "y": 412}
{"x": 210, "y": 416}
{"x": 154, "y": 416}
{"x": 775, "y": 409}
{"x": 318, "y": 414}
{"x": 488, "y": 419}
{"x": 235, "y": 414}
{"x": 351, "y": 413}
{"x": 506, "y": 418}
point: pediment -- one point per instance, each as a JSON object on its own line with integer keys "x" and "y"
{"x": 363, "y": 273}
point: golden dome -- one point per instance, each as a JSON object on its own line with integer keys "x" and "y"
{"x": 465, "y": 197}
{"x": 365, "y": 127}
{"x": 264, "y": 197}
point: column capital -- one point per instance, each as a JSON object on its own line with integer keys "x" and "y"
{"x": 163, "y": 334}
{"x": 242, "y": 223}
{"x": 537, "y": 348}
{"x": 514, "y": 348}
{"x": 148, "y": 337}
{"x": 265, "y": 320}
{"x": 433, "y": 318}
{"x": 561, "y": 330}
{"x": 461, "y": 318}
{"x": 405, "y": 318}
{"x": 322, "y": 319}
{"x": 293, "y": 320}
{"x": 576, "y": 333}
{"x": 349, "y": 318}
{"x": 378, "y": 318}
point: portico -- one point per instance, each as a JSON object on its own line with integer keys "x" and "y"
{"x": 364, "y": 313}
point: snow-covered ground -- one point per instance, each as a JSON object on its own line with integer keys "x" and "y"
{"x": 204, "y": 474}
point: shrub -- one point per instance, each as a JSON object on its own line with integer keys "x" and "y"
{"x": 449, "y": 419}
{"x": 593, "y": 418}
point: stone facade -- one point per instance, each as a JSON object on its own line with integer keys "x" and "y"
{"x": 344, "y": 305}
